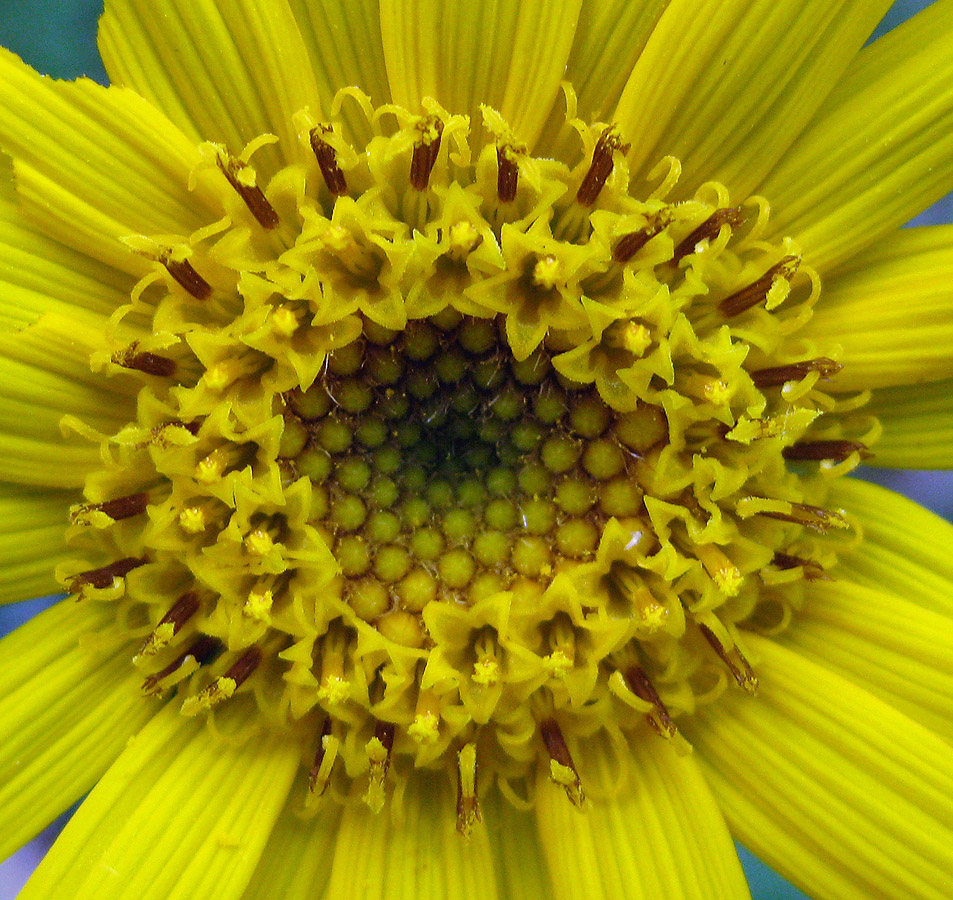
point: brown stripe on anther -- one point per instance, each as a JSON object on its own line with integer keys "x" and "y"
{"x": 507, "y": 175}
{"x": 118, "y": 509}
{"x": 601, "y": 167}
{"x": 150, "y": 363}
{"x": 425, "y": 154}
{"x": 124, "y": 507}
{"x": 741, "y": 670}
{"x": 813, "y": 571}
{"x": 631, "y": 243}
{"x": 733, "y": 216}
{"x": 757, "y": 292}
{"x": 241, "y": 670}
{"x": 203, "y": 651}
{"x": 810, "y": 516}
{"x": 319, "y": 758}
{"x": 184, "y": 273}
{"x": 103, "y": 577}
{"x": 252, "y": 195}
{"x": 778, "y": 375}
{"x": 182, "y": 610}
{"x": 328, "y": 161}
{"x": 836, "y": 451}
{"x": 384, "y": 732}
{"x": 640, "y": 685}
{"x": 559, "y": 753}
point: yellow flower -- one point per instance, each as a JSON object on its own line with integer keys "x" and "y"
{"x": 436, "y": 412}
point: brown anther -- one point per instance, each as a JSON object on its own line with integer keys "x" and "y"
{"x": 103, "y": 577}
{"x": 757, "y": 291}
{"x": 425, "y": 153}
{"x": 150, "y": 363}
{"x": 252, "y": 195}
{"x": 601, "y": 167}
{"x": 328, "y": 161}
{"x": 836, "y": 451}
{"x": 384, "y": 732}
{"x": 468, "y": 800}
{"x": 171, "y": 623}
{"x": 507, "y": 175}
{"x": 732, "y": 216}
{"x": 630, "y": 244}
{"x": 319, "y": 759}
{"x": 734, "y": 659}
{"x": 638, "y": 682}
{"x": 243, "y": 668}
{"x": 813, "y": 571}
{"x": 813, "y": 517}
{"x": 120, "y": 508}
{"x": 185, "y": 275}
{"x": 203, "y": 650}
{"x": 778, "y": 375}
{"x": 562, "y": 768}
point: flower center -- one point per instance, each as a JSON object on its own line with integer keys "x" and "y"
{"x": 445, "y": 469}
{"x": 449, "y": 456}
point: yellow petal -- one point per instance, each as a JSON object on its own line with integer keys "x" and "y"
{"x": 181, "y": 814}
{"x": 95, "y": 164}
{"x": 917, "y": 425}
{"x": 839, "y": 792}
{"x": 225, "y": 73}
{"x": 416, "y": 855}
{"x": 510, "y": 56}
{"x": 727, "y": 85}
{"x": 895, "y": 649}
{"x": 879, "y": 150}
{"x": 296, "y": 862}
{"x": 66, "y": 712}
{"x": 343, "y": 39}
{"x": 518, "y": 854}
{"x": 905, "y": 548}
{"x": 45, "y": 375}
{"x": 891, "y": 310}
{"x": 610, "y": 36}
{"x": 32, "y": 540}
{"x": 40, "y": 275}
{"x": 660, "y": 836}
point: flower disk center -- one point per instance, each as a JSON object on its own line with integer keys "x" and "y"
{"x": 446, "y": 470}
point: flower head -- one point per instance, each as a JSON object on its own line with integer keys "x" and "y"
{"x": 445, "y": 413}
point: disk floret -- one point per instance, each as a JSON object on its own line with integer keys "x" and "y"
{"x": 446, "y": 455}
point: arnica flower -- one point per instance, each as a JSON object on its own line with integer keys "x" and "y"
{"x": 437, "y": 415}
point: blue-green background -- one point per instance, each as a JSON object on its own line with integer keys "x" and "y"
{"x": 58, "y": 37}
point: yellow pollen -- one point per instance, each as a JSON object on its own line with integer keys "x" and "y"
{"x": 259, "y": 542}
{"x": 547, "y": 272}
{"x": 193, "y": 519}
{"x": 160, "y": 638}
{"x": 211, "y": 468}
{"x": 631, "y": 336}
{"x": 219, "y": 690}
{"x": 425, "y": 729}
{"x": 258, "y": 605}
{"x": 463, "y": 239}
{"x": 222, "y": 374}
{"x": 284, "y": 321}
